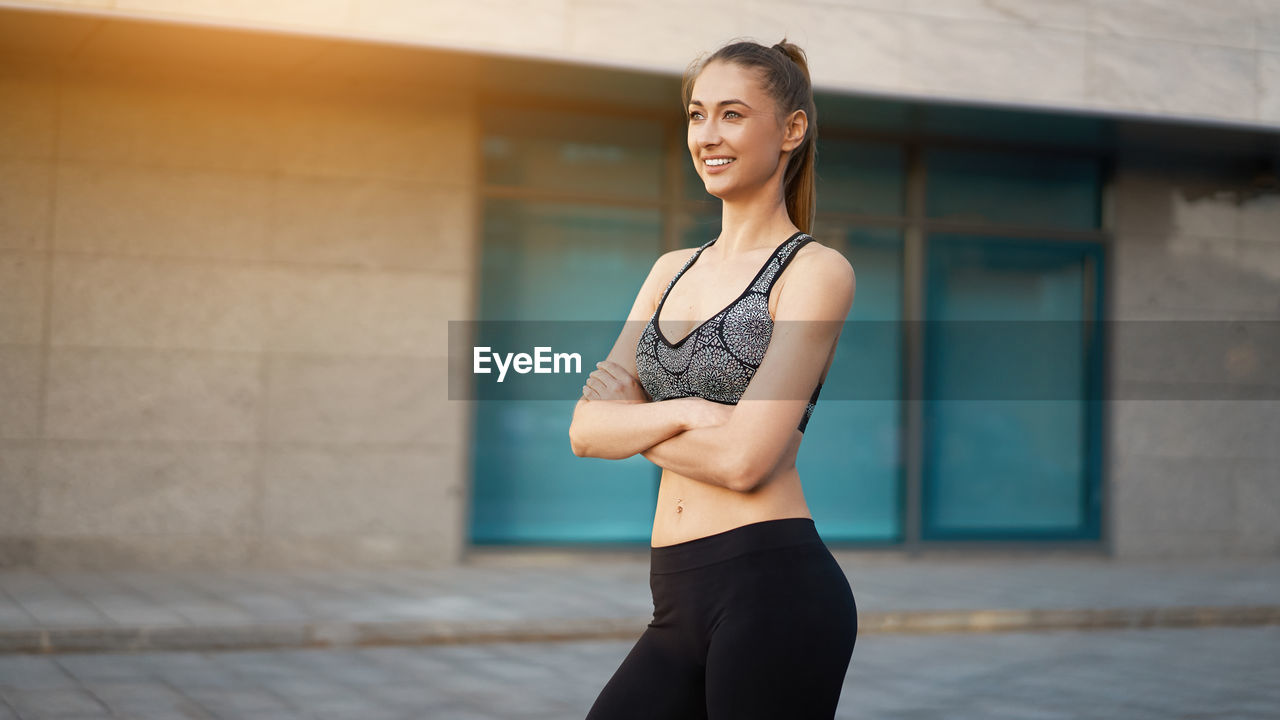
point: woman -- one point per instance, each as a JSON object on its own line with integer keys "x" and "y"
{"x": 753, "y": 617}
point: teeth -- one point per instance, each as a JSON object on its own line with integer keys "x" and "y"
{"x": 720, "y": 161}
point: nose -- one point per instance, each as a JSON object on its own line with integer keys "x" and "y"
{"x": 706, "y": 133}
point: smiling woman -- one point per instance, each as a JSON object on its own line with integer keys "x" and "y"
{"x": 753, "y": 617}
{"x": 752, "y": 93}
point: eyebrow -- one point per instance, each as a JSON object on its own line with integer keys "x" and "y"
{"x": 722, "y": 103}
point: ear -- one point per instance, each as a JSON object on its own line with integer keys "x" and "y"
{"x": 794, "y": 127}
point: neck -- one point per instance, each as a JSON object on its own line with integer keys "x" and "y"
{"x": 756, "y": 221}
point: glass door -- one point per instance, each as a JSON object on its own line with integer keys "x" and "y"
{"x": 1011, "y": 362}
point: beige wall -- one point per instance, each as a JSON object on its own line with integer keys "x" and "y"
{"x": 1193, "y": 478}
{"x": 1216, "y": 61}
{"x": 223, "y": 312}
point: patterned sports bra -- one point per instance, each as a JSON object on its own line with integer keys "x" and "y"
{"x": 718, "y": 358}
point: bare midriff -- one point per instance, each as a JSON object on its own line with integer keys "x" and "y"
{"x": 689, "y": 509}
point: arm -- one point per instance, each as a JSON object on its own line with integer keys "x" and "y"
{"x": 615, "y": 402}
{"x": 615, "y": 429}
{"x": 705, "y": 454}
{"x": 621, "y": 428}
{"x": 741, "y": 453}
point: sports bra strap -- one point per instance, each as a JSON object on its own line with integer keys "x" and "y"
{"x": 778, "y": 262}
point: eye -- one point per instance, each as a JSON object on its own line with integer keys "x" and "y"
{"x": 694, "y": 114}
{"x": 735, "y": 112}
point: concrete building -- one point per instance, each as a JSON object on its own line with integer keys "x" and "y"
{"x": 233, "y": 236}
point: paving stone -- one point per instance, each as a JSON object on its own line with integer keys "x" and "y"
{"x": 188, "y": 669}
{"x": 110, "y": 667}
{"x": 13, "y": 616}
{"x": 50, "y": 704}
{"x": 191, "y": 610}
{"x": 406, "y": 697}
{"x": 33, "y": 672}
{"x": 303, "y": 691}
{"x": 146, "y": 699}
{"x": 112, "y": 599}
{"x": 240, "y": 701}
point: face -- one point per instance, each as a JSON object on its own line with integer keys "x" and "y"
{"x": 745, "y": 129}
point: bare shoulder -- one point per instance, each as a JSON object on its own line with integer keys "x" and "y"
{"x": 668, "y": 263}
{"x": 819, "y": 279}
{"x": 665, "y": 268}
{"x": 823, "y": 266}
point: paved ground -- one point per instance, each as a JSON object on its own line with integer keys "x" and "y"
{"x": 1202, "y": 640}
{"x": 1109, "y": 675}
{"x": 516, "y": 599}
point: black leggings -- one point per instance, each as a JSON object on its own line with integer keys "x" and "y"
{"x": 755, "y": 622}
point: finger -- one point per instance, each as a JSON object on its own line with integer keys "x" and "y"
{"x": 598, "y": 386}
{"x": 602, "y": 381}
{"x": 603, "y": 368}
{"x": 614, "y": 369}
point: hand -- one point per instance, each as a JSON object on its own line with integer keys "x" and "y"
{"x": 705, "y": 413}
{"x": 611, "y": 381}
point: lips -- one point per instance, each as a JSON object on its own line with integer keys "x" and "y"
{"x": 716, "y": 169}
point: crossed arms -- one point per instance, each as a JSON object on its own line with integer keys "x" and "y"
{"x": 729, "y": 446}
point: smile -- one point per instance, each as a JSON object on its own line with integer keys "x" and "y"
{"x": 719, "y": 161}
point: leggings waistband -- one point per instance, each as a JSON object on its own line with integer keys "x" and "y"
{"x": 764, "y": 535}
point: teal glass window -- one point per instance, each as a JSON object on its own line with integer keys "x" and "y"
{"x": 554, "y": 151}
{"x": 1009, "y": 442}
{"x": 861, "y": 177}
{"x": 556, "y": 261}
{"x": 1033, "y": 190}
{"x": 851, "y": 459}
